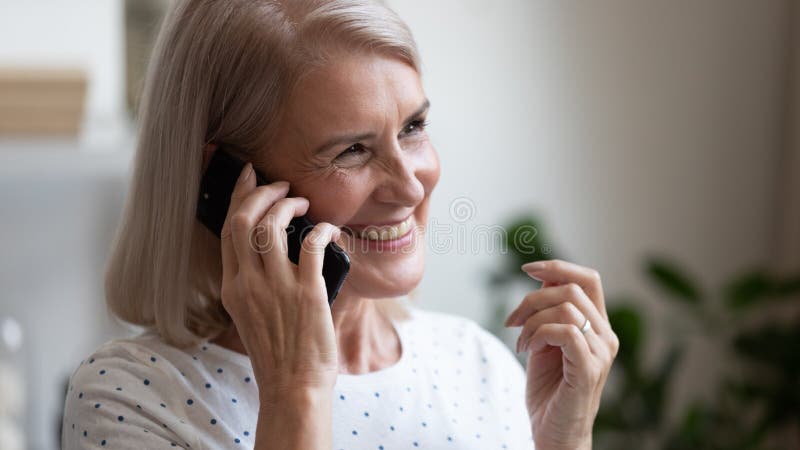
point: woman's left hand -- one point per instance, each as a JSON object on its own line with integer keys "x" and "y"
{"x": 567, "y": 368}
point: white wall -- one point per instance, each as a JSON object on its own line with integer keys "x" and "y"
{"x": 635, "y": 127}
{"x": 87, "y": 34}
{"x": 631, "y": 126}
{"x": 60, "y": 198}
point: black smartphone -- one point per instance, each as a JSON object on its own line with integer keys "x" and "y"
{"x": 216, "y": 189}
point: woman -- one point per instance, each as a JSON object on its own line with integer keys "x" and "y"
{"x": 240, "y": 345}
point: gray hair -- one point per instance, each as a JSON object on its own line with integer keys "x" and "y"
{"x": 220, "y": 71}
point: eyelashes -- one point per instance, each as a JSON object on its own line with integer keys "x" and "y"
{"x": 413, "y": 127}
{"x": 419, "y": 124}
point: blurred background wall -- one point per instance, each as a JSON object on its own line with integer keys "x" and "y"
{"x": 628, "y": 127}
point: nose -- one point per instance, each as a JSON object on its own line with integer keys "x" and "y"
{"x": 400, "y": 184}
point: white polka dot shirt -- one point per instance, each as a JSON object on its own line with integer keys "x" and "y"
{"x": 456, "y": 386}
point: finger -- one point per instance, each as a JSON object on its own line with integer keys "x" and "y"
{"x": 230, "y": 265}
{"x": 562, "y": 272}
{"x": 579, "y": 367}
{"x": 252, "y": 209}
{"x": 599, "y": 347}
{"x": 312, "y": 251}
{"x": 273, "y": 227}
{"x": 554, "y": 295}
{"x": 565, "y": 313}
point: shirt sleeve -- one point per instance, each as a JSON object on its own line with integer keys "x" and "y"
{"x": 116, "y": 400}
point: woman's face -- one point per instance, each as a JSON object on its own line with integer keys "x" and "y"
{"x": 355, "y": 146}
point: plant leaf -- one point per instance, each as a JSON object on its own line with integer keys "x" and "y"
{"x": 526, "y": 242}
{"x": 627, "y": 324}
{"x": 758, "y": 286}
{"x": 672, "y": 280}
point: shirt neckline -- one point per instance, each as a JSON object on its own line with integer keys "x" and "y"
{"x": 343, "y": 379}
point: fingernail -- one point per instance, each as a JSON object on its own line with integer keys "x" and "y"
{"x": 532, "y": 275}
{"x": 533, "y": 266}
{"x": 248, "y": 168}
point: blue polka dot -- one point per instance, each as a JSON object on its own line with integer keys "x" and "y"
{"x": 424, "y": 424}
{"x": 84, "y": 433}
{"x": 103, "y": 442}
{"x": 80, "y": 395}
{"x": 246, "y": 379}
{"x": 416, "y": 444}
{"x": 236, "y": 440}
{"x": 120, "y": 418}
{"x": 378, "y": 395}
{"x": 102, "y": 372}
{"x": 189, "y": 401}
{"x": 163, "y": 405}
{"x": 119, "y": 388}
{"x": 380, "y": 447}
{"x": 391, "y": 427}
{"x": 366, "y": 414}
{"x": 233, "y": 400}
{"x": 91, "y": 361}
{"x": 153, "y": 358}
{"x": 246, "y": 433}
{"x": 219, "y": 370}
{"x": 208, "y": 385}
{"x": 450, "y": 438}
{"x": 341, "y": 397}
{"x": 213, "y": 421}
{"x": 96, "y": 405}
{"x": 401, "y": 408}
{"x": 146, "y": 382}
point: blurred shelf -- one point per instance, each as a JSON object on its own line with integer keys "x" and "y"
{"x": 106, "y": 148}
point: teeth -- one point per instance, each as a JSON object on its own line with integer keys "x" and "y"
{"x": 386, "y": 232}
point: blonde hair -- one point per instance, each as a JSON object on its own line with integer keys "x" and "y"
{"x": 220, "y": 71}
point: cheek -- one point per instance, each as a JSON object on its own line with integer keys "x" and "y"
{"x": 335, "y": 199}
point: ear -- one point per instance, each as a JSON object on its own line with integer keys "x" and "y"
{"x": 207, "y": 153}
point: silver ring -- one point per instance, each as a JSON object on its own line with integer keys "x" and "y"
{"x": 586, "y": 326}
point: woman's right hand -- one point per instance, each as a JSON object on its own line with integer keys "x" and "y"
{"x": 280, "y": 309}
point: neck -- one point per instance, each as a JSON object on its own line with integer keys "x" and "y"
{"x": 365, "y": 338}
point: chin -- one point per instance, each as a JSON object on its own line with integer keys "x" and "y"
{"x": 395, "y": 276}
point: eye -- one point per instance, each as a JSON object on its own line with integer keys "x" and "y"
{"x": 415, "y": 127}
{"x": 353, "y": 150}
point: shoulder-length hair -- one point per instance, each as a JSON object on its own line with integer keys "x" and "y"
{"x": 221, "y": 71}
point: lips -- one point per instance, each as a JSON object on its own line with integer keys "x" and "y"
{"x": 381, "y": 232}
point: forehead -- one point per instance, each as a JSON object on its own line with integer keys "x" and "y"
{"x": 352, "y": 94}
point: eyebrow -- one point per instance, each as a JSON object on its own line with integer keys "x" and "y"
{"x": 346, "y": 139}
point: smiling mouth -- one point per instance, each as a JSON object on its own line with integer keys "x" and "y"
{"x": 383, "y": 232}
